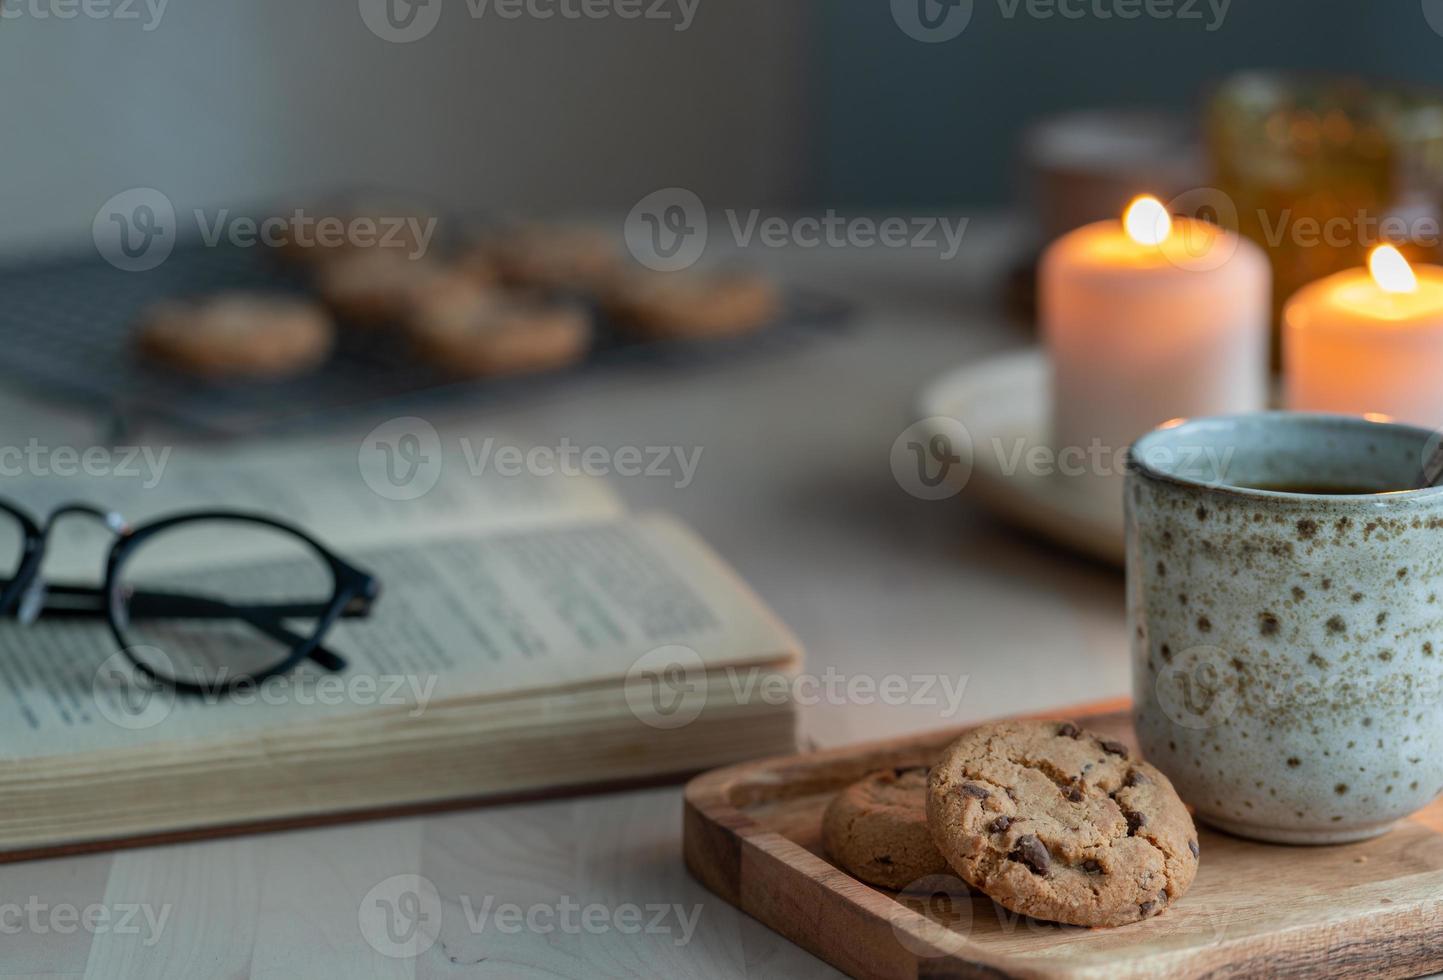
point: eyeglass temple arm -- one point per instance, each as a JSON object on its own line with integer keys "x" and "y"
{"x": 83, "y": 601}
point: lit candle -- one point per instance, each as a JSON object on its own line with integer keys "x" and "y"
{"x": 1362, "y": 342}
{"x": 1148, "y": 319}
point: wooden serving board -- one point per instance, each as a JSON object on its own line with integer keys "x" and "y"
{"x": 753, "y": 835}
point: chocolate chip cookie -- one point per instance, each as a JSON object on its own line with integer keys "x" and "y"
{"x": 690, "y": 303}
{"x": 471, "y": 330}
{"x": 1060, "y": 824}
{"x": 561, "y": 258}
{"x": 876, "y": 829}
{"x": 237, "y": 334}
{"x": 374, "y": 288}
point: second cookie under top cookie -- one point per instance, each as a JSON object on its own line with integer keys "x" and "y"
{"x": 876, "y": 829}
{"x": 1061, "y": 824}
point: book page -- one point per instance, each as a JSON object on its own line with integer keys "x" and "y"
{"x": 479, "y": 616}
{"x": 344, "y": 497}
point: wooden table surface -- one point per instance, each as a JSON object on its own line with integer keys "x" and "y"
{"x": 795, "y": 488}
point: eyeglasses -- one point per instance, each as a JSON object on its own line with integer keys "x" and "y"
{"x": 200, "y": 630}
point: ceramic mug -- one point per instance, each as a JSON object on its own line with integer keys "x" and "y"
{"x": 1287, "y": 641}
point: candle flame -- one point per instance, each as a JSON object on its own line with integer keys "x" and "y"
{"x": 1147, "y": 221}
{"x": 1391, "y": 271}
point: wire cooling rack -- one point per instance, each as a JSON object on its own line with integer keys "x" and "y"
{"x": 66, "y": 332}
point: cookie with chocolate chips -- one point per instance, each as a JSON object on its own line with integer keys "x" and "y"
{"x": 876, "y": 829}
{"x": 1060, "y": 824}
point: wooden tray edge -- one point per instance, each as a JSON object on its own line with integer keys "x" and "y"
{"x": 887, "y": 941}
{"x": 716, "y": 835}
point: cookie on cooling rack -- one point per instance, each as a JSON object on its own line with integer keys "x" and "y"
{"x": 237, "y": 334}
{"x": 552, "y": 258}
{"x": 471, "y": 330}
{"x": 374, "y": 288}
{"x": 691, "y": 303}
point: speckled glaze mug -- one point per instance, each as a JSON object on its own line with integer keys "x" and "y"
{"x": 1287, "y": 638}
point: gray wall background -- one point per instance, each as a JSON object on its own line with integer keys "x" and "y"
{"x": 906, "y": 123}
{"x": 760, "y": 103}
{"x": 242, "y": 101}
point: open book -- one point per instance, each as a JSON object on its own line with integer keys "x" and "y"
{"x": 531, "y": 637}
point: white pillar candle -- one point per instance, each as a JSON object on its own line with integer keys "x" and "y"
{"x": 1148, "y": 319}
{"x": 1363, "y": 342}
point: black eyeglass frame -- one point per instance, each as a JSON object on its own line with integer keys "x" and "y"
{"x": 27, "y": 596}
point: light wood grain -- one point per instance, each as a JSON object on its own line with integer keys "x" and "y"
{"x": 1375, "y": 908}
{"x": 794, "y": 488}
